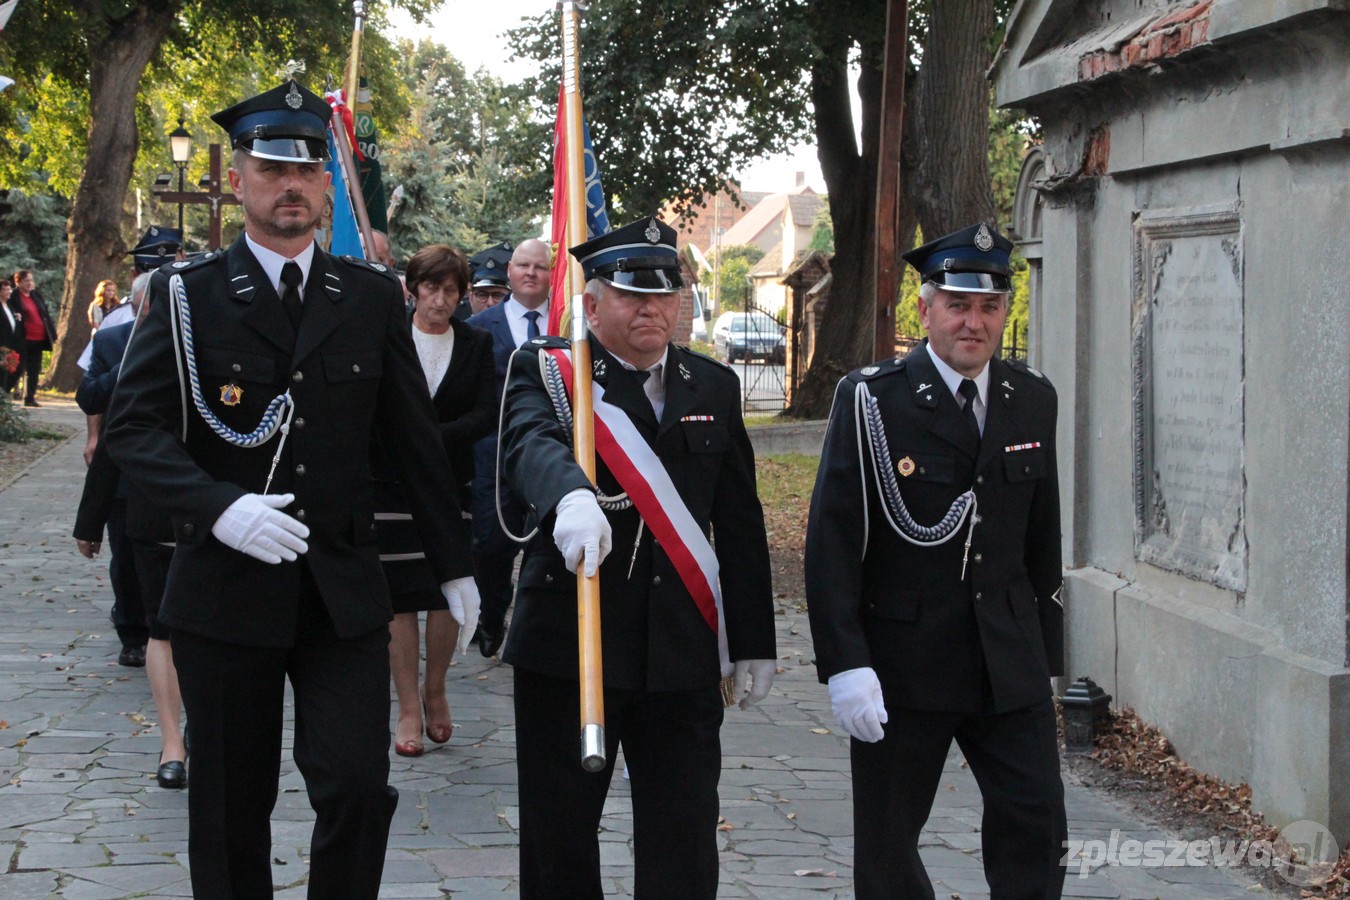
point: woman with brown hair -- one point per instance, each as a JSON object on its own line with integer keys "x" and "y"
{"x": 105, "y": 300}
{"x": 457, "y": 362}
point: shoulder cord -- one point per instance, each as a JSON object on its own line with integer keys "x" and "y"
{"x": 277, "y": 416}
{"x": 557, "y": 394}
{"x": 893, "y": 504}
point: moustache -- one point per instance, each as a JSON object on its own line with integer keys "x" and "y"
{"x": 292, "y": 200}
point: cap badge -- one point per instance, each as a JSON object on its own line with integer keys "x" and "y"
{"x": 491, "y": 264}
{"x": 984, "y": 241}
{"x": 905, "y": 467}
{"x": 293, "y": 98}
{"x": 653, "y": 233}
{"x": 231, "y": 394}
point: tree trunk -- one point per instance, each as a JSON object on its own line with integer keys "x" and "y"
{"x": 944, "y": 176}
{"x": 845, "y": 336}
{"x": 946, "y": 139}
{"x": 118, "y": 54}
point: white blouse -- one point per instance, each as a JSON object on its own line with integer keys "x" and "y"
{"x": 434, "y": 351}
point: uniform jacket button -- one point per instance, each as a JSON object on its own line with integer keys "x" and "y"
{"x": 299, "y": 423}
{"x": 979, "y": 479}
{"x": 189, "y": 529}
{"x": 922, "y": 470}
{"x": 979, "y": 558}
{"x": 300, "y": 514}
{"x": 548, "y": 579}
{"x": 237, "y": 368}
{"x": 356, "y": 368}
{"x": 300, "y": 469}
{"x": 979, "y": 596}
{"x": 297, "y": 376}
{"x": 656, "y": 581}
{"x": 1026, "y": 470}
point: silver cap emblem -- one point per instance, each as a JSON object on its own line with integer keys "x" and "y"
{"x": 984, "y": 241}
{"x": 653, "y": 233}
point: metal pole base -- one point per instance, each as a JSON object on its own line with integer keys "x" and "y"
{"x": 593, "y": 747}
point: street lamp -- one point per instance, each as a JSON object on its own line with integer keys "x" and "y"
{"x": 180, "y": 148}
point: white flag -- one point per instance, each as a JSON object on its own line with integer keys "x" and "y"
{"x": 6, "y": 10}
{"x": 5, "y": 82}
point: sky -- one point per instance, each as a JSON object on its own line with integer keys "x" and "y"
{"x": 475, "y": 32}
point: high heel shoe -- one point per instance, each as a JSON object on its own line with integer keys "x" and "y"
{"x": 438, "y": 733}
{"x": 409, "y": 748}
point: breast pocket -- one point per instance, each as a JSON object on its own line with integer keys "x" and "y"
{"x": 925, "y": 467}
{"x": 234, "y": 366}
{"x": 705, "y": 437}
{"x": 1025, "y": 465}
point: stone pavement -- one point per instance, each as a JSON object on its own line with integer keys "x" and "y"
{"x": 82, "y": 818}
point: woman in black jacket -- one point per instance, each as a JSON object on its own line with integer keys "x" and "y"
{"x": 457, "y": 361}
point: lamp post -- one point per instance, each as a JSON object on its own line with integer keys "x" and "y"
{"x": 180, "y": 148}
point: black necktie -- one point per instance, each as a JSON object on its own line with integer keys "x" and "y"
{"x": 970, "y": 392}
{"x": 290, "y": 294}
{"x": 532, "y": 324}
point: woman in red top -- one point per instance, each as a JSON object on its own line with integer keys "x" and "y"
{"x": 37, "y": 329}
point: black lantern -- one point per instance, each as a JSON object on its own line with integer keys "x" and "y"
{"x": 1087, "y": 709}
{"x": 180, "y": 148}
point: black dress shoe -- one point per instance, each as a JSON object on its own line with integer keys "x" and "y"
{"x": 172, "y": 775}
{"x": 132, "y": 655}
{"x": 489, "y": 641}
{"x": 29, "y": 401}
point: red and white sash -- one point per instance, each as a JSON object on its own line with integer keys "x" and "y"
{"x": 642, "y": 475}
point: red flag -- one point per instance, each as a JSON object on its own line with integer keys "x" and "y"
{"x": 557, "y": 298}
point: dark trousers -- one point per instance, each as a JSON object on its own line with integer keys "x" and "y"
{"x": 128, "y": 612}
{"x": 673, "y": 748}
{"x": 32, "y": 366}
{"x": 494, "y": 554}
{"x": 233, "y": 695}
{"x": 1014, "y": 757}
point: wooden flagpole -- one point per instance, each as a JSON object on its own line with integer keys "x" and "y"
{"x": 591, "y": 671}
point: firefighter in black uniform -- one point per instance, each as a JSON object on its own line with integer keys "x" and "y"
{"x": 933, "y": 582}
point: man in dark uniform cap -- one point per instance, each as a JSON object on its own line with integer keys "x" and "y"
{"x": 948, "y": 624}
{"x": 488, "y": 285}
{"x": 668, "y": 636}
{"x": 276, "y": 575}
{"x": 158, "y": 246}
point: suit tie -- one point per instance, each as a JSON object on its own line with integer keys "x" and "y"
{"x": 970, "y": 392}
{"x": 290, "y": 294}
{"x": 531, "y": 324}
{"x": 654, "y": 386}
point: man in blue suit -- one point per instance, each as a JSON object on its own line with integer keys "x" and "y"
{"x": 524, "y": 315}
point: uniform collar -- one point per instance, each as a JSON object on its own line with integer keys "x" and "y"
{"x": 272, "y": 262}
{"x": 953, "y": 378}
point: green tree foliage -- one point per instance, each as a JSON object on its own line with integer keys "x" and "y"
{"x": 92, "y": 77}
{"x": 822, "y": 231}
{"x": 469, "y": 163}
{"x": 736, "y": 263}
{"x": 35, "y": 229}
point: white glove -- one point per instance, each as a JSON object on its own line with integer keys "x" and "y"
{"x": 462, "y": 595}
{"x": 582, "y": 531}
{"x": 761, "y": 672}
{"x": 254, "y": 524}
{"x": 855, "y": 700}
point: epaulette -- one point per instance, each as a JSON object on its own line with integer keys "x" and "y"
{"x": 546, "y": 342}
{"x": 373, "y": 266}
{"x": 877, "y": 369}
{"x": 712, "y": 359}
{"x": 180, "y": 266}
{"x": 1020, "y": 366}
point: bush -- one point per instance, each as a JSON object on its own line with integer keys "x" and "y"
{"x": 13, "y": 421}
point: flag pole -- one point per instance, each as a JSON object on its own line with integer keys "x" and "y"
{"x": 351, "y": 175}
{"x": 591, "y": 672}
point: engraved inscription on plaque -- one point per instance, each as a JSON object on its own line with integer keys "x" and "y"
{"x": 1188, "y": 398}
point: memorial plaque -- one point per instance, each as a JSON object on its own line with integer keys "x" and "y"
{"x": 1189, "y": 394}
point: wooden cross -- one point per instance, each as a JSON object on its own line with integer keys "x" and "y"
{"x": 213, "y": 195}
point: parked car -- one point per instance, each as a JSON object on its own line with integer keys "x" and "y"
{"x": 739, "y": 335}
